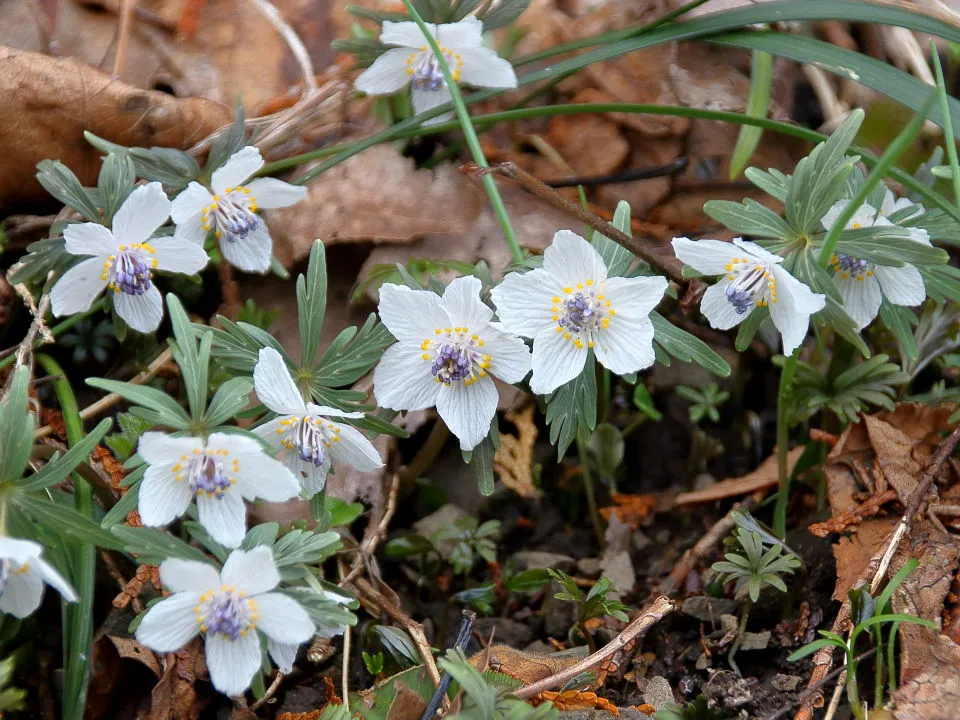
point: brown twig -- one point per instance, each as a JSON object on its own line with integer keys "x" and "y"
{"x": 271, "y": 691}
{"x": 375, "y": 534}
{"x": 660, "y": 607}
{"x": 39, "y": 311}
{"x": 659, "y": 257}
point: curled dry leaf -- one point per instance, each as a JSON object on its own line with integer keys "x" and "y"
{"x": 526, "y": 667}
{"x": 50, "y": 101}
{"x": 514, "y": 460}
{"x": 764, "y": 477}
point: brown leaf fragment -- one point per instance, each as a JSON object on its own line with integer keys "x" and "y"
{"x": 175, "y": 697}
{"x": 764, "y": 477}
{"x": 50, "y": 101}
{"x": 407, "y": 704}
{"x": 131, "y": 649}
{"x": 844, "y": 521}
{"x": 575, "y": 700}
{"x": 524, "y": 666}
{"x": 514, "y": 460}
{"x": 632, "y": 510}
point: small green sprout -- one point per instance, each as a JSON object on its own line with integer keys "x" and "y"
{"x": 706, "y": 401}
{"x": 594, "y": 604}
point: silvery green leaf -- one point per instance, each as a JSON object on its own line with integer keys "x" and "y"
{"x": 64, "y": 520}
{"x": 749, "y": 327}
{"x": 312, "y": 303}
{"x": 398, "y": 643}
{"x": 749, "y": 218}
{"x": 481, "y": 460}
{"x": 115, "y": 183}
{"x": 772, "y": 181}
{"x": 686, "y": 347}
{"x": 154, "y": 546}
{"x": 616, "y": 257}
{"x": 942, "y": 282}
{"x": 43, "y": 257}
{"x": 302, "y": 547}
{"x": 226, "y": 144}
{"x": 194, "y": 363}
{"x": 125, "y": 505}
{"x": 57, "y": 469}
{"x": 607, "y": 445}
{"x": 231, "y": 397}
{"x": 353, "y": 353}
{"x": 164, "y": 410}
{"x": 59, "y": 180}
{"x": 937, "y": 223}
{"x": 504, "y": 13}
{"x": 18, "y": 423}
{"x": 572, "y": 408}
{"x": 888, "y": 245}
{"x": 262, "y": 534}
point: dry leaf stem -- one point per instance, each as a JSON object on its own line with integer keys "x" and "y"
{"x": 660, "y": 608}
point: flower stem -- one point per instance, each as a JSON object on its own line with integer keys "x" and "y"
{"x": 741, "y": 629}
{"x": 948, "y": 138}
{"x": 783, "y": 441}
{"x": 588, "y": 488}
{"x": 853, "y": 691}
{"x": 469, "y": 134}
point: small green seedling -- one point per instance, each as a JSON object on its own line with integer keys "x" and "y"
{"x": 594, "y": 604}
{"x": 706, "y": 402}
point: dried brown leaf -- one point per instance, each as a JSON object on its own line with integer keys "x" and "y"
{"x": 524, "y": 666}
{"x": 130, "y": 648}
{"x": 764, "y": 477}
{"x": 514, "y": 460}
{"x": 576, "y": 700}
{"x": 632, "y": 510}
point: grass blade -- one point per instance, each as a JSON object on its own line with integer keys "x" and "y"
{"x": 758, "y": 104}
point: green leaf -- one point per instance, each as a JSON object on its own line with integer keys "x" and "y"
{"x": 164, "y": 410}
{"x": 749, "y": 218}
{"x": 686, "y": 347}
{"x": 643, "y": 402}
{"x": 481, "y": 461}
{"x": 17, "y": 423}
{"x": 888, "y": 245}
{"x": 237, "y": 346}
{"x": 572, "y": 408}
{"x": 115, "y": 183}
{"x": 123, "y": 443}
{"x": 153, "y": 546}
{"x": 616, "y": 257}
{"x": 65, "y": 520}
{"x": 312, "y": 303}
{"x": 504, "y": 13}
{"x": 408, "y": 546}
{"x": 231, "y": 397}
{"x": 342, "y": 514}
{"x": 607, "y": 446}
{"x": 262, "y": 534}
{"x": 194, "y": 363}
{"x": 528, "y": 581}
{"x": 758, "y": 104}
{"x": 174, "y": 168}
{"x": 59, "y": 180}
{"x": 57, "y": 469}
{"x": 399, "y": 644}
{"x": 353, "y": 353}
{"x": 302, "y": 547}
{"x": 124, "y": 506}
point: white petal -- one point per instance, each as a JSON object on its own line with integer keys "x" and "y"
{"x": 162, "y": 498}
{"x": 190, "y": 203}
{"x": 89, "y": 239}
{"x": 58, "y": 582}
{"x": 833, "y": 213}
{"x": 325, "y": 411}
{"x": 252, "y": 572}
{"x": 355, "y": 449}
{"x": 258, "y": 475}
{"x": 460, "y": 36}
{"x": 283, "y": 619}
{"x": 192, "y": 230}
{"x": 158, "y": 448}
{"x": 636, "y": 297}
{"x": 556, "y": 361}
{"x": 407, "y": 34}
{"x": 482, "y": 67}
{"x": 171, "y": 623}
{"x": 387, "y": 75}
{"x": 571, "y": 260}
{"x": 144, "y": 210}
{"x": 18, "y": 550}
{"x": 626, "y": 346}
{"x": 861, "y": 298}
{"x": 284, "y": 655}
{"x": 468, "y": 409}
{"x": 757, "y": 252}
{"x": 224, "y": 517}
{"x": 718, "y": 310}
{"x": 524, "y": 301}
{"x": 233, "y": 663}
{"x": 710, "y": 257}
{"x": 865, "y": 216}
{"x": 411, "y": 314}
{"x": 312, "y": 478}
{"x": 402, "y": 379}
{"x": 791, "y": 312}
{"x": 241, "y": 165}
{"x": 268, "y": 431}
{"x": 250, "y": 254}
{"x": 77, "y": 288}
{"x": 188, "y": 576}
{"x": 424, "y": 100}
{"x": 141, "y": 312}
{"x": 509, "y": 355}
{"x": 179, "y": 255}
{"x": 274, "y": 386}
{"x": 461, "y": 300}
{"x": 273, "y": 193}
{"x": 901, "y": 285}
{"x": 23, "y": 591}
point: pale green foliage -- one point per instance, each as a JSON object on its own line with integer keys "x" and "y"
{"x": 755, "y": 568}
{"x": 705, "y": 402}
{"x": 873, "y": 382}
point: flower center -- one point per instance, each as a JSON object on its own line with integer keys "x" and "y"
{"x": 751, "y": 283}
{"x": 425, "y": 71}
{"x": 205, "y": 474}
{"x": 309, "y": 438}
{"x": 130, "y": 270}
{"x": 582, "y": 313}
{"x": 455, "y": 356}
{"x": 233, "y": 215}
{"x": 848, "y": 267}
{"x": 226, "y": 611}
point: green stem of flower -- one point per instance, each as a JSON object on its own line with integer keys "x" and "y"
{"x": 57, "y": 329}
{"x": 948, "y": 138}
{"x": 78, "y": 628}
{"x": 469, "y": 134}
{"x": 853, "y": 690}
{"x": 588, "y": 488}
{"x": 878, "y": 667}
{"x": 741, "y": 629}
{"x": 783, "y": 445}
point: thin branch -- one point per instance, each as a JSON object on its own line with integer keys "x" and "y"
{"x": 271, "y": 691}
{"x": 293, "y": 42}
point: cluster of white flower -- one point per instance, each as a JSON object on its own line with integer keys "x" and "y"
{"x": 124, "y": 258}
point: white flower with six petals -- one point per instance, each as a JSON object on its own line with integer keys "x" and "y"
{"x": 307, "y": 439}
{"x": 446, "y": 353}
{"x": 752, "y": 278}
{"x": 864, "y": 284}
{"x": 220, "y": 474}
{"x": 22, "y": 576}
{"x": 230, "y": 608}
{"x": 124, "y": 259}
{"x": 413, "y": 62}
{"x": 570, "y": 307}
{"x": 230, "y": 211}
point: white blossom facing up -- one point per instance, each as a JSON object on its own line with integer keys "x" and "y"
{"x": 231, "y": 210}
{"x": 864, "y": 284}
{"x": 570, "y": 308}
{"x": 412, "y": 62}
{"x": 124, "y": 260}
{"x": 220, "y": 474}
{"x": 230, "y": 609}
{"x": 752, "y": 278}
{"x": 307, "y": 439}
{"x": 23, "y": 574}
{"x": 447, "y": 353}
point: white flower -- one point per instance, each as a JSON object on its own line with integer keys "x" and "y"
{"x": 752, "y": 277}
{"x": 306, "y": 438}
{"x": 864, "y": 284}
{"x": 446, "y": 352}
{"x": 230, "y": 608}
{"x": 231, "y": 210}
{"x": 413, "y": 62}
{"x": 220, "y": 473}
{"x": 570, "y": 306}
{"x": 22, "y": 576}
{"x": 123, "y": 259}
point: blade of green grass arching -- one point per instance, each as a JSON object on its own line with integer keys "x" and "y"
{"x": 891, "y": 81}
{"x": 948, "y": 137}
{"x": 758, "y": 103}
{"x": 879, "y": 171}
{"x": 78, "y": 617}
